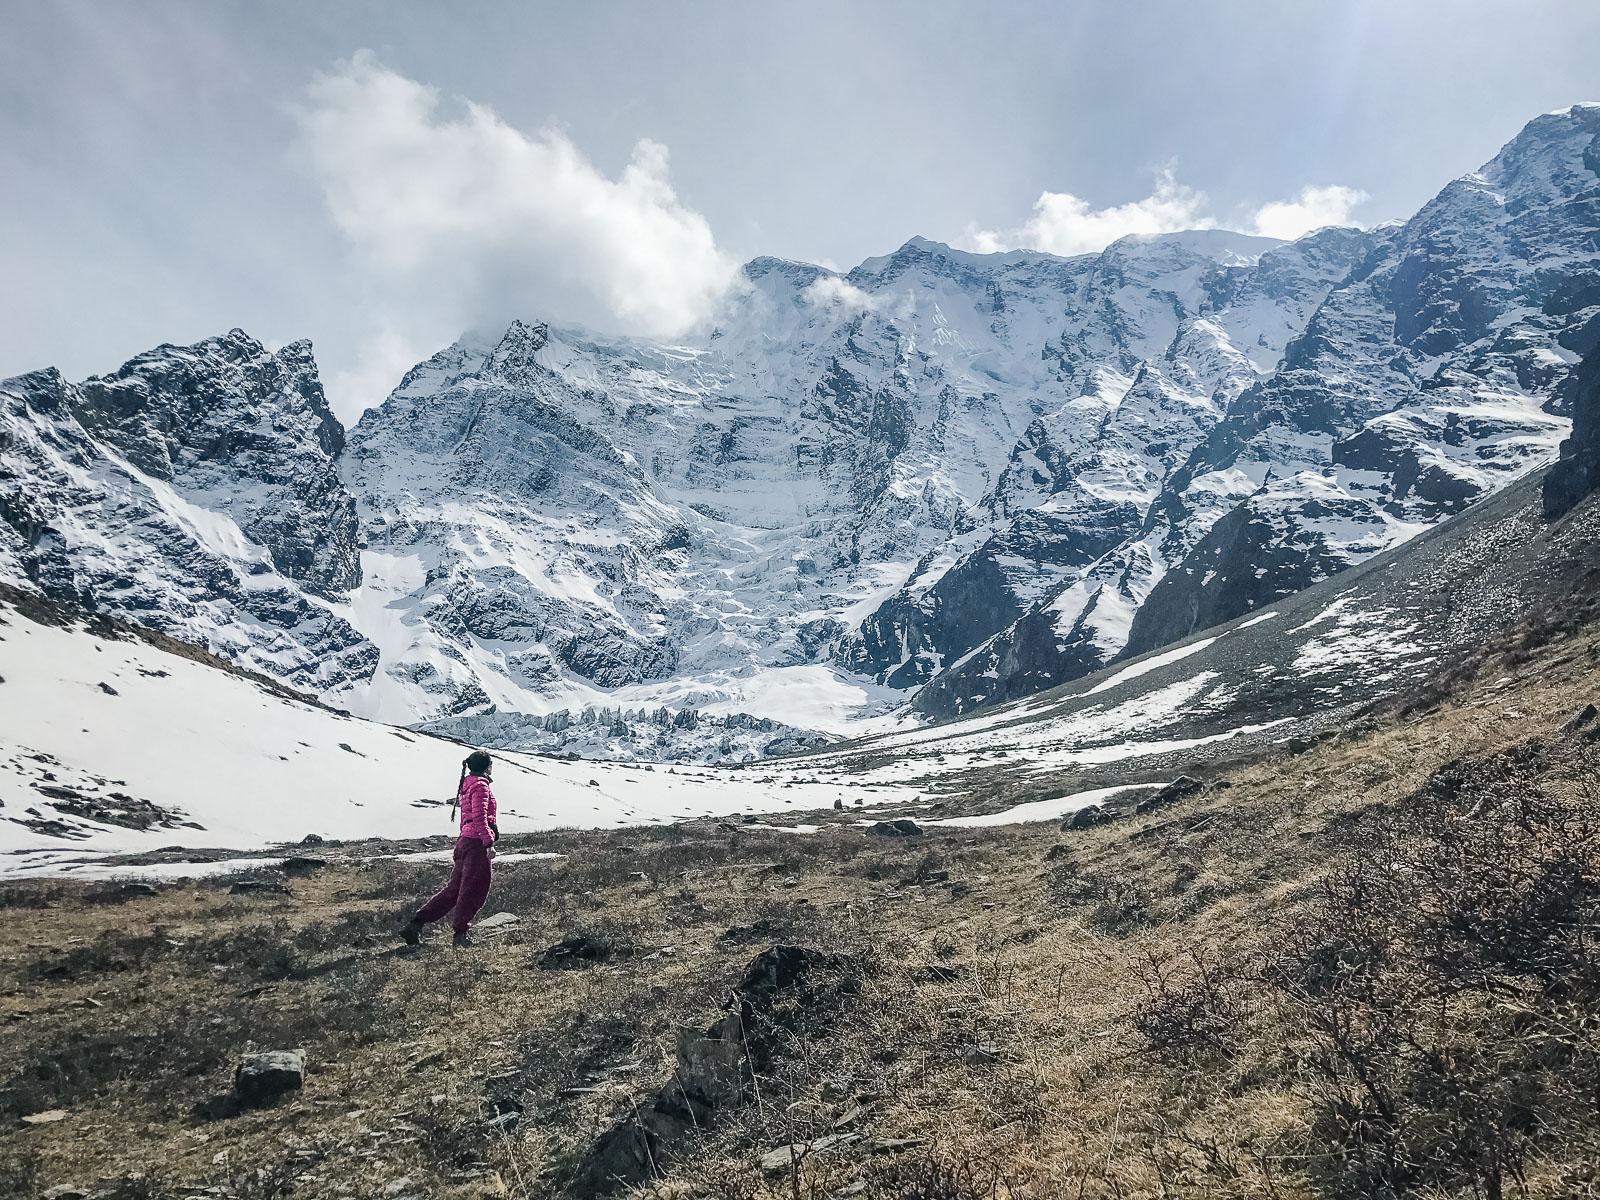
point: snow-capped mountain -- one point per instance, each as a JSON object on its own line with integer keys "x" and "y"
{"x": 195, "y": 490}
{"x": 972, "y": 475}
{"x": 1430, "y": 376}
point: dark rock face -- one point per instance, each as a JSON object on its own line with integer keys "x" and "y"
{"x": 1577, "y": 472}
{"x": 1242, "y": 565}
{"x": 231, "y": 425}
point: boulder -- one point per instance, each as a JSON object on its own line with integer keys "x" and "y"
{"x": 1580, "y": 719}
{"x": 782, "y": 1159}
{"x": 1183, "y": 785}
{"x": 1086, "y": 817}
{"x": 301, "y": 865}
{"x": 902, "y": 827}
{"x": 123, "y": 891}
{"x": 262, "y": 1078}
{"x": 257, "y": 887}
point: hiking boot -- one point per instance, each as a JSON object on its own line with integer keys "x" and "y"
{"x": 464, "y": 938}
{"x": 411, "y": 933}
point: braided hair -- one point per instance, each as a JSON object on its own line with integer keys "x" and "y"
{"x": 476, "y": 763}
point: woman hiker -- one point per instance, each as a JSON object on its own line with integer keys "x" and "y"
{"x": 469, "y": 878}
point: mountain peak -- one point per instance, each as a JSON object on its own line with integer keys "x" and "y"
{"x": 517, "y": 351}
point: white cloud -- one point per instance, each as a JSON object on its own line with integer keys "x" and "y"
{"x": 1065, "y": 224}
{"x": 463, "y": 220}
{"x": 828, "y": 290}
{"x": 1314, "y": 208}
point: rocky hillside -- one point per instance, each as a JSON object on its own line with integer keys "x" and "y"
{"x": 940, "y": 476}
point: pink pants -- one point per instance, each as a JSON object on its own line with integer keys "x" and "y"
{"x": 467, "y": 890}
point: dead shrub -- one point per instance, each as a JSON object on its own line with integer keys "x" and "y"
{"x": 1446, "y": 982}
{"x": 1196, "y": 1005}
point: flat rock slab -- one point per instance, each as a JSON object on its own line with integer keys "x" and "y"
{"x": 782, "y": 1158}
{"x": 48, "y": 1117}
{"x": 500, "y": 920}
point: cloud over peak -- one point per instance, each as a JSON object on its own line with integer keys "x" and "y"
{"x": 1314, "y": 208}
{"x": 1065, "y": 224}
{"x": 457, "y": 220}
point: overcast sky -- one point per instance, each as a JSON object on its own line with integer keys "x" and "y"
{"x": 378, "y": 176}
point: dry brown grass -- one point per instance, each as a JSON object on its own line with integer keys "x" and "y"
{"x": 1034, "y": 1024}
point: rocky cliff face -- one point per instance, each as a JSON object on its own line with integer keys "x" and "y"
{"x": 951, "y": 476}
{"x": 195, "y": 491}
{"x": 1578, "y": 471}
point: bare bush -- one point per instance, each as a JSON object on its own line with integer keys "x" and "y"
{"x": 1447, "y": 980}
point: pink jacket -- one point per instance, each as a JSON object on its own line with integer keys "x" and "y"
{"x": 479, "y": 812}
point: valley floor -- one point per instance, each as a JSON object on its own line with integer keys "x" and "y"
{"x": 1220, "y": 996}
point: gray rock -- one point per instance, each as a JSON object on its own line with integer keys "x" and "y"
{"x": 1182, "y": 786}
{"x": 973, "y": 1055}
{"x": 257, "y": 887}
{"x": 263, "y": 1077}
{"x": 122, "y": 892}
{"x": 711, "y": 1065}
{"x": 500, "y": 920}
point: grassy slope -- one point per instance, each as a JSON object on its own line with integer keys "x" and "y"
{"x": 1026, "y": 1062}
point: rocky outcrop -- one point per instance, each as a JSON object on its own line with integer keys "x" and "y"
{"x": 1577, "y": 472}
{"x": 716, "y": 1070}
{"x": 236, "y": 428}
